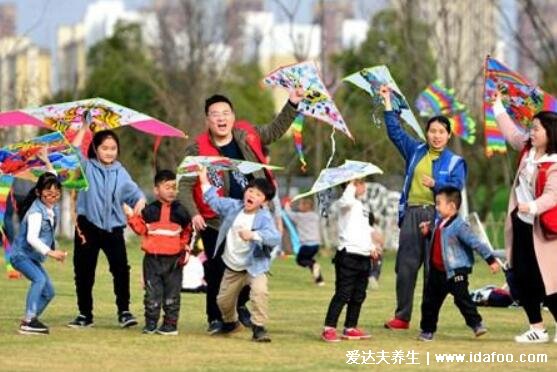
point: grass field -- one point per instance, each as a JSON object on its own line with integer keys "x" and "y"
{"x": 297, "y": 310}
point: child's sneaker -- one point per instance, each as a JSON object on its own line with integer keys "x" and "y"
{"x": 532, "y": 336}
{"x": 316, "y": 273}
{"x": 168, "y": 329}
{"x": 354, "y": 334}
{"x": 397, "y": 324}
{"x": 81, "y": 321}
{"x": 150, "y": 328}
{"x": 33, "y": 327}
{"x": 230, "y": 327}
{"x": 260, "y": 334}
{"x": 425, "y": 336}
{"x": 126, "y": 319}
{"x": 330, "y": 335}
{"x": 215, "y": 326}
{"x": 479, "y": 330}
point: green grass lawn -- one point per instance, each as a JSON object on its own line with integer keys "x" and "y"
{"x": 297, "y": 310}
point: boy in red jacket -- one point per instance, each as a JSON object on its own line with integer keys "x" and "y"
{"x": 165, "y": 228}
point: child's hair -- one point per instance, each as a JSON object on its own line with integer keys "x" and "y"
{"x": 452, "y": 194}
{"x": 45, "y": 182}
{"x": 164, "y": 175}
{"x": 443, "y": 120}
{"x": 98, "y": 139}
{"x": 263, "y": 185}
{"x": 548, "y": 119}
{"x": 216, "y": 98}
{"x": 371, "y": 218}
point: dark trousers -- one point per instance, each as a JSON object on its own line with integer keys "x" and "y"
{"x": 527, "y": 276}
{"x": 437, "y": 288}
{"x": 214, "y": 271}
{"x": 88, "y": 240}
{"x": 351, "y": 271}
{"x": 411, "y": 254}
{"x": 306, "y": 255}
{"x": 163, "y": 281}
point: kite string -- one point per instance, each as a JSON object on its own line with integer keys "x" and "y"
{"x": 333, "y": 149}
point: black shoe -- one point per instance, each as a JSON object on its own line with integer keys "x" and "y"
{"x": 150, "y": 327}
{"x": 33, "y": 327}
{"x": 81, "y": 321}
{"x": 126, "y": 319}
{"x": 260, "y": 334}
{"x": 244, "y": 316}
{"x": 214, "y": 327}
{"x": 227, "y": 328}
{"x": 168, "y": 330}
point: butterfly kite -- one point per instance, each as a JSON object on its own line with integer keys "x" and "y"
{"x": 317, "y": 102}
{"x": 331, "y": 177}
{"x": 438, "y": 100}
{"x": 191, "y": 164}
{"x": 521, "y": 99}
{"x": 370, "y": 80}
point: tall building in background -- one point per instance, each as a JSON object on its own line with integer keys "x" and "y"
{"x": 25, "y": 71}
{"x": 72, "y": 57}
{"x": 235, "y": 14}
{"x": 7, "y": 19}
{"x": 465, "y": 31}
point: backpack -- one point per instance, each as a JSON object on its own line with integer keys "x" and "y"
{"x": 548, "y": 219}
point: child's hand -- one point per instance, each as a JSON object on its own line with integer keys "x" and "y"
{"x": 58, "y": 255}
{"x": 375, "y": 254}
{"x": 424, "y": 228}
{"x": 524, "y": 207}
{"x": 497, "y": 95}
{"x": 128, "y": 211}
{"x": 138, "y": 207}
{"x": 246, "y": 235}
{"x": 494, "y": 267}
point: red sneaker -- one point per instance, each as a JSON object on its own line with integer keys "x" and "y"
{"x": 397, "y": 324}
{"x": 330, "y": 335}
{"x": 355, "y": 334}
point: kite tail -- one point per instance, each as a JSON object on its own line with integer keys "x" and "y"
{"x": 297, "y": 127}
{"x": 333, "y": 149}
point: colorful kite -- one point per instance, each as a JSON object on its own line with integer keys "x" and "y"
{"x": 331, "y": 177}
{"x": 191, "y": 164}
{"x": 20, "y": 160}
{"x": 370, "y": 79}
{"x": 521, "y": 99}
{"x": 317, "y": 102}
{"x": 438, "y": 100}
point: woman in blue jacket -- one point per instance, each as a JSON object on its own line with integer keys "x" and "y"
{"x": 429, "y": 167}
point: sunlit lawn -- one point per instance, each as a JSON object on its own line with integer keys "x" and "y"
{"x": 297, "y": 310}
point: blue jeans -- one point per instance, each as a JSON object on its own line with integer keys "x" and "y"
{"x": 41, "y": 290}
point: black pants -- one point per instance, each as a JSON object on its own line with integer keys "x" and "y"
{"x": 352, "y": 272}
{"x": 163, "y": 281}
{"x": 437, "y": 288}
{"x": 88, "y": 240}
{"x": 214, "y": 271}
{"x": 306, "y": 255}
{"x": 527, "y": 276}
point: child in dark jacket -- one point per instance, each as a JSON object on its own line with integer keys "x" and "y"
{"x": 452, "y": 244}
{"x": 165, "y": 228}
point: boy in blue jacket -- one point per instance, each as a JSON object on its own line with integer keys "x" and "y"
{"x": 248, "y": 233}
{"x": 451, "y": 245}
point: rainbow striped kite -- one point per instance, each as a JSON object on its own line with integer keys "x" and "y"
{"x": 438, "y": 100}
{"x": 521, "y": 99}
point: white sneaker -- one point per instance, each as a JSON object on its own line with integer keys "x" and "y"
{"x": 533, "y": 336}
